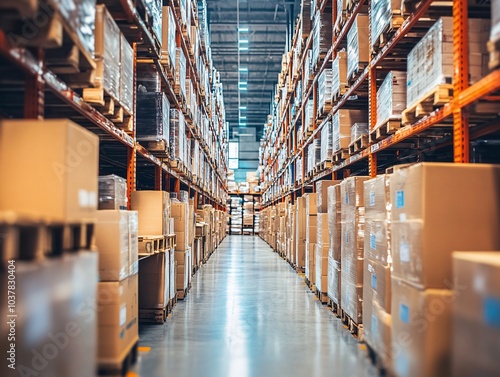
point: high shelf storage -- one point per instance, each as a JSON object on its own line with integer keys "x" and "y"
{"x": 453, "y": 116}
{"x": 44, "y": 90}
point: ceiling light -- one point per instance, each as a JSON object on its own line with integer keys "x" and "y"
{"x": 243, "y": 29}
{"x": 242, "y": 117}
{"x": 242, "y": 41}
{"x": 243, "y": 69}
{"x": 243, "y": 107}
{"x": 243, "y": 83}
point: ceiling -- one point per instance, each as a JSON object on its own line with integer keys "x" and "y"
{"x": 269, "y": 24}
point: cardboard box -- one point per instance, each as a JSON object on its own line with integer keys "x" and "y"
{"x": 301, "y": 253}
{"x": 377, "y": 284}
{"x": 437, "y": 209}
{"x": 311, "y": 229}
{"x": 53, "y": 296}
{"x": 322, "y": 194}
{"x": 475, "y": 314}
{"x": 118, "y": 322}
{"x": 62, "y": 160}
{"x": 377, "y": 325}
{"x": 173, "y": 265}
{"x": 377, "y": 241}
{"x": 311, "y": 204}
{"x": 153, "y": 208}
{"x": 334, "y": 280}
{"x": 113, "y": 244}
{"x": 421, "y": 333}
{"x": 133, "y": 231}
{"x": 323, "y": 237}
{"x": 154, "y": 281}
{"x": 180, "y": 257}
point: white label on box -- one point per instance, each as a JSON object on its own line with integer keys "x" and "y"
{"x": 374, "y": 325}
{"x": 372, "y": 198}
{"x": 123, "y": 315}
{"x": 402, "y": 217}
{"x": 93, "y": 199}
{"x": 404, "y": 251}
{"x": 83, "y": 198}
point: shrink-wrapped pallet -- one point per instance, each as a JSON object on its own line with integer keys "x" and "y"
{"x": 383, "y": 12}
{"x": 342, "y": 122}
{"x": 177, "y": 135}
{"x": 322, "y": 34}
{"x": 326, "y": 142}
{"x": 358, "y": 130}
{"x": 325, "y": 91}
{"x": 358, "y": 52}
{"x": 391, "y": 97}
{"x": 154, "y": 12}
{"x": 339, "y": 75}
{"x": 168, "y": 45}
{"x": 153, "y": 117}
{"x": 126, "y": 75}
{"x": 112, "y": 192}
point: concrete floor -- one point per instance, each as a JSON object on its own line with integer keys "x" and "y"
{"x": 249, "y": 314}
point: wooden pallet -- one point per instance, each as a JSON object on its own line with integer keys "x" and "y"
{"x": 385, "y": 129}
{"x": 182, "y": 293}
{"x": 310, "y": 285}
{"x": 159, "y": 148}
{"x": 338, "y": 95}
{"x": 354, "y": 328}
{"x": 436, "y": 97}
{"x": 395, "y": 23}
{"x": 322, "y": 296}
{"x": 34, "y": 239}
{"x": 358, "y": 145}
{"x": 340, "y": 155}
{"x": 153, "y": 315}
{"x": 120, "y": 367}
{"x": 110, "y": 107}
{"x": 300, "y": 270}
{"x": 335, "y": 308}
{"x": 322, "y": 166}
{"x": 494, "y": 50}
{"x": 357, "y": 72}
{"x": 170, "y": 241}
{"x": 149, "y": 245}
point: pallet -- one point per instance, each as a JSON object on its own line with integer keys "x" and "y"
{"x": 34, "y": 239}
{"x": 120, "y": 367}
{"x": 322, "y": 166}
{"x": 310, "y": 285}
{"x": 359, "y": 144}
{"x": 357, "y": 72}
{"x": 149, "y": 245}
{"x": 340, "y": 155}
{"x": 110, "y": 107}
{"x": 436, "y": 97}
{"x": 354, "y": 328}
{"x": 494, "y": 50}
{"x": 387, "y": 128}
{"x": 334, "y": 307}
{"x": 336, "y": 97}
{"x": 153, "y": 315}
{"x": 322, "y": 296}
{"x": 158, "y": 148}
{"x": 385, "y": 36}
{"x": 300, "y": 270}
{"x": 182, "y": 293}
{"x": 376, "y": 360}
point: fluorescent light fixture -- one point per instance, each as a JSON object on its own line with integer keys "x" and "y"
{"x": 243, "y": 124}
{"x": 243, "y": 29}
{"x": 243, "y": 107}
{"x": 243, "y": 48}
{"x": 243, "y": 69}
{"x": 243, "y": 117}
{"x": 242, "y": 41}
{"x": 243, "y": 83}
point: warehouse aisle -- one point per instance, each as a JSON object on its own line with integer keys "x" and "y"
{"x": 249, "y": 314}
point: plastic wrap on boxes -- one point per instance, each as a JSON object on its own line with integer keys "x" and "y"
{"x": 334, "y": 282}
{"x": 391, "y": 97}
{"x": 177, "y": 134}
{"x": 183, "y": 196}
{"x": 152, "y": 117}
{"x": 357, "y": 45}
{"x": 325, "y": 91}
{"x": 430, "y": 62}
{"x": 334, "y": 224}
{"x": 126, "y": 74}
{"x": 306, "y": 24}
{"x": 352, "y": 198}
{"x": 342, "y": 122}
{"x": 112, "y": 192}
{"x": 326, "y": 142}
{"x": 339, "y": 75}
{"x": 382, "y": 12}
{"x": 180, "y": 72}
{"x": 51, "y": 297}
{"x": 154, "y": 11}
{"x": 495, "y": 21}
{"x": 81, "y": 15}
{"x": 148, "y": 79}
{"x": 168, "y": 45}
{"x": 377, "y": 331}
{"x": 107, "y": 52}
{"x": 358, "y": 130}
{"x": 322, "y": 34}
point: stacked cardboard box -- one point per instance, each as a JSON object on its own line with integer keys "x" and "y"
{"x": 391, "y": 98}
{"x": 180, "y": 214}
{"x": 475, "y": 314}
{"x": 352, "y": 246}
{"x": 51, "y": 293}
{"x": 311, "y": 237}
{"x": 291, "y": 234}
{"x": 156, "y": 271}
{"x": 436, "y": 209}
{"x": 323, "y": 236}
{"x": 300, "y": 233}
{"x": 118, "y": 301}
{"x": 334, "y": 232}
{"x": 377, "y": 268}
{"x": 358, "y": 50}
{"x": 342, "y": 122}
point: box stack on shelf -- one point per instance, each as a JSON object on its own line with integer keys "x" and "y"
{"x": 116, "y": 77}
{"x": 236, "y": 214}
{"x": 334, "y": 253}
{"x": 311, "y": 214}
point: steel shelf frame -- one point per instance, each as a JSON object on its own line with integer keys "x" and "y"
{"x": 457, "y": 109}
{"x": 38, "y": 79}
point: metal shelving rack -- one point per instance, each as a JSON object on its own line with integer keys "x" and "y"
{"x": 40, "y": 83}
{"x": 455, "y": 113}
